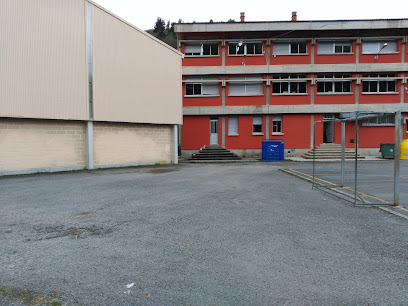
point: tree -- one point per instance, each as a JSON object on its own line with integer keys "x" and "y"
{"x": 160, "y": 27}
{"x": 231, "y": 20}
{"x": 211, "y": 21}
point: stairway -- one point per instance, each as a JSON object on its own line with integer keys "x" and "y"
{"x": 214, "y": 153}
{"x": 330, "y": 151}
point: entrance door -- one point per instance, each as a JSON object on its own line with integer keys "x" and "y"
{"x": 328, "y": 128}
{"x": 213, "y": 131}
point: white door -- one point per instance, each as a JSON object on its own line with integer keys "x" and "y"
{"x": 214, "y": 132}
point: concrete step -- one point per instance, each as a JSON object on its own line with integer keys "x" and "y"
{"x": 214, "y": 153}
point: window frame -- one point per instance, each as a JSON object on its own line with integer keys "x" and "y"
{"x": 202, "y": 49}
{"x": 278, "y": 119}
{"x": 336, "y": 43}
{"x": 233, "y": 133}
{"x": 377, "y": 80}
{"x": 290, "y": 45}
{"x": 254, "y": 117}
{"x": 389, "y": 120}
{"x": 245, "y": 48}
{"x": 333, "y": 80}
{"x": 202, "y": 82}
{"x": 290, "y": 80}
{"x": 245, "y": 81}
{"x": 380, "y": 43}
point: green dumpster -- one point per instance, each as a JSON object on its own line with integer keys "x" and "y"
{"x": 387, "y": 150}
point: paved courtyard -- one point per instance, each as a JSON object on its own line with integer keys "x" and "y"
{"x": 194, "y": 234}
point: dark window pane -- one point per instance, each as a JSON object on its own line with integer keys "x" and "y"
{"x": 328, "y": 86}
{"x": 257, "y": 128}
{"x": 294, "y": 48}
{"x": 232, "y": 48}
{"x": 320, "y": 86}
{"x": 293, "y": 87}
{"x": 383, "y": 86}
{"x": 346, "y": 49}
{"x": 241, "y": 49}
{"x": 365, "y": 86}
{"x": 206, "y": 50}
{"x": 302, "y": 48}
{"x": 391, "y": 86}
{"x": 347, "y": 86}
{"x": 373, "y": 86}
{"x": 258, "y": 48}
{"x": 338, "y": 49}
{"x": 276, "y": 87}
{"x": 214, "y": 49}
{"x": 189, "y": 89}
{"x": 284, "y": 87}
{"x": 302, "y": 87}
{"x": 338, "y": 86}
{"x": 197, "y": 89}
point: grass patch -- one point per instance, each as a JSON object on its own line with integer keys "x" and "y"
{"x": 28, "y": 297}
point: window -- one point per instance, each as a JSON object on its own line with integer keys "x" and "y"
{"x": 249, "y": 48}
{"x": 375, "y": 46}
{"x": 245, "y": 86}
{"x": 333, "y": 47}
{"x": 285, "y": 48}
{"x": 387, "y": 120}
{"x": 201, "y": 49}
{"x": 202, "y": 86}
{"x": 379, "y": 85}
{"x": 277, "y": 125}
{"x": 257, "y": 125}
{"x": 336, "y": 85}
{"x": 287, "y": 86}
{"x": 232, "y": 125}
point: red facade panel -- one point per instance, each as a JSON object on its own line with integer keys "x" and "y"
{"x": 195, "y": 132}
{"x": 296, "y": 131}
{"x": 245, "y": 139}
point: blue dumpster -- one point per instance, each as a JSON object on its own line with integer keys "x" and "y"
{"x": 273, "y": 149}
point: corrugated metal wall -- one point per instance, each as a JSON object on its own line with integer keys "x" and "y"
{"x": 43, "y": 59}
{"x": 136, "y": 79}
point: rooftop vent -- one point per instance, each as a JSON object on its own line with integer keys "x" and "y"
{"x": 242, "y": 16}
{"x": 294, "y": 16}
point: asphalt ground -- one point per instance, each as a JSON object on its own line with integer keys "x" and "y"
{"x": 194, "y": 234}
{"x": 375, "y": 180}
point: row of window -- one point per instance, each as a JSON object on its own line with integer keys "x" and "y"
{"x": 286, "y": 48}
{"x": 277, "y": 127}
{"x": 257, "y": 125}
{"x": 289, "y": 84}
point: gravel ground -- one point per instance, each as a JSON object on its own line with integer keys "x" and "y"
{"x": 207, "y": 234}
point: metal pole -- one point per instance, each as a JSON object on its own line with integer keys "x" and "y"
{"x": 397, "y": 152}
{"x": 343, "y": 151}
{"x": 355, "y": 161}
{"x": 175, "y": 144}
{"x": 313, "y": 143}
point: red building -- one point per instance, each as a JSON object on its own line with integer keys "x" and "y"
{"x": 248, "y": 81}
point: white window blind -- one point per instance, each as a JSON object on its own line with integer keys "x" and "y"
{"x": 280, "y": 48}
{"x": 257, "y": 120}
{"x": 192, "y": 49}
{"x": 232, "y": 125}
{"x": 325, "y": 47}
{"x": 245, "y": 88}
{"x": 373, "y": 47}
{"x": 209, "y": 89}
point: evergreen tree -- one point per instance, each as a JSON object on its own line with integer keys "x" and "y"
{"x": 160, "y": 27}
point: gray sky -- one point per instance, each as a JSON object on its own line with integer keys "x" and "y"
{"x": 143, "y": 14}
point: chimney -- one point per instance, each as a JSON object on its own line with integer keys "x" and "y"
{"x": 294, "y": 16}
{"x": 242, "y": 16}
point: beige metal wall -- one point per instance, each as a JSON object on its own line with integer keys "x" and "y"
{"x": 43, "y": 59}
{"x": 136, "y": 78}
